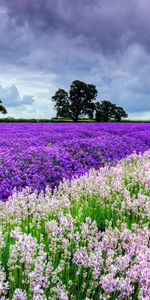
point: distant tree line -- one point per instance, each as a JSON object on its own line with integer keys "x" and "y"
{"x": 81, "y": 102}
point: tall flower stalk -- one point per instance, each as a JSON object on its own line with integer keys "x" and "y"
{"x": 88, "y": 239}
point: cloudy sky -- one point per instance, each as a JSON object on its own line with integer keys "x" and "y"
{"x": 46, "y": 44}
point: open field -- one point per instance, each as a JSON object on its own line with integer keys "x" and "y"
{"x": 76, "y": 224}
{"x": 37, "y": 155}
{"x": 53, "y": 120}
{"x": 61, "y": 120}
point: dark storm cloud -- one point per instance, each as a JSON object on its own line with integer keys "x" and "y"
{"x": 107, "y": 25}
{"x": 105, "y": 42}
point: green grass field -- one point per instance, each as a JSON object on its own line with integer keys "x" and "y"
{"x": 59, "y": 120}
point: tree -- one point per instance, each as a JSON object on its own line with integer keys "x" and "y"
{"x": 78, "y": 102}
{"x": 104, "y": 110}
{"x": 98, "y": 112}
{"x": 107, "y": 111}
{"x": 2, "y": 108}
{"x": 119, "y": 113}
{"x": 90, "y": 110}
{"x": 61, "y": 103}
{"x": 81, "y": 98}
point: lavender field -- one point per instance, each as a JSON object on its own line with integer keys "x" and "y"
{"x": 40, "y": 155}
{"x": 75, "y": 211}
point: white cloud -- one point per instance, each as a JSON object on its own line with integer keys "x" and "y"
{"x": 32, "y": 89}
{"x": 11, "y": 97}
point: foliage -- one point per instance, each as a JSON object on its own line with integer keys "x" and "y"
{"x": 119, "y": 113}
{"x": 106, "y": 111}
{"x": 2, "y": 108}
{"x": 79, "y": 101}
{"x": 61, "y": 103}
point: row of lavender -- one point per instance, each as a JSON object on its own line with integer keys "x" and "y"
{"x": 37, "y": 155}
{"x": 88, "y": 240}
